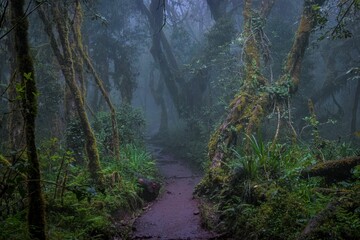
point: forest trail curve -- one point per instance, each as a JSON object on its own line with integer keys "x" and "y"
{"x": 174, "y": 215}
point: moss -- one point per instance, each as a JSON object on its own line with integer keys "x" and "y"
{"x": 208, "y": 214}
{"x": 66, "y": 60}
{"x": 339, "y": 220}
{"x": 4, "y": 161}
{"x": 84, "y": 57}
{"x": 213, "y": 143}
{"x": 245, "y": 115}
{"x": 335, "y": 170}
{"x": 213, "y": 182}
{"x": 295, "y": 57}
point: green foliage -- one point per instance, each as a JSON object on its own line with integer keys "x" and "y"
{"x": 131, "y": 126}
{"x": 356, "y": 172}
{"x": 75, "y": 210}
{"x": 137, "y": 160}
{"x": 75, "y": 140}
{"x": 213, "y": 75}
{"x": 13, "y": 191}
{"x": 262, "y": 195}
{"x": 122, "y": 176}
{"x": 14, "y": 227}
{"x": 346, "y": 15}
{"x": 84, "y": 213}
{"x": 279, "y": 91}
{"x": 263, "y": 160}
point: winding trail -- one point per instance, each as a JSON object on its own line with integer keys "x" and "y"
{"x": 174, "y": 215}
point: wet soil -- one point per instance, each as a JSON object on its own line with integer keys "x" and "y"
{"x": 175, "y": 214}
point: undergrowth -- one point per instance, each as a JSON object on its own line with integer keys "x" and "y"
{"x": 74, "y": 208}
{"x": 261, "y": 194}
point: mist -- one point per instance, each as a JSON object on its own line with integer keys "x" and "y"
{"x": 179, "y": 119}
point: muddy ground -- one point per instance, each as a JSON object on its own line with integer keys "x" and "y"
{"x": 175, "y": 214}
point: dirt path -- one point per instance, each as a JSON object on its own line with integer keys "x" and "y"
{"x": 174, "y": 215}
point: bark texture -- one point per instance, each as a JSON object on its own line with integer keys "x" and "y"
{"x": 66, "y": 61}
{"x": 28, "y": 95}
{"x": 252, "y": 102}
{"x": 15, "y": 123}
{"x": 85, "y": 57}
{"x": 332, "y": 171}
{"x": 247, "y": 109}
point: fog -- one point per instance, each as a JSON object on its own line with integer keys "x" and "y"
{"x": 239, "y": 101}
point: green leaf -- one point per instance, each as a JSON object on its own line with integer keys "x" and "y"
{"x": 315, "y": 7}
{"x": 28, "y": 76}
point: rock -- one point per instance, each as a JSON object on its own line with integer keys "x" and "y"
{"x": 149, "y": 189}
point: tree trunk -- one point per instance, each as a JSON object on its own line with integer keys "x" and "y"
{"x": 332, "y": 171}
{"x": 99, "y": 82}
{"x": 15, "y": 123}
{"x": 66, "y": 62}
{"x": 252, "y": 102}
{"x": 28, "y": 95}
{"x": 125, "y": 79}
{"x": 155, "y": 17}
{"x": 158, "y": 95}
{"x": 247, "y": 109}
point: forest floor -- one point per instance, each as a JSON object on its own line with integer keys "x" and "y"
{"x": 175, "y": 214}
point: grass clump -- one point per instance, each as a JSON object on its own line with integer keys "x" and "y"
{"x": 263, "y": 195}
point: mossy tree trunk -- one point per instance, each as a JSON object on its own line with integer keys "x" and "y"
{"x": 332, "y": 171}
{"x": 251, "y": 104}
{"x": 28, "y": 94}
{"x": 66, "y": 61}
{"x": 85, "y": 57}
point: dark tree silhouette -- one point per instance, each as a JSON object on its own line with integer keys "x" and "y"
{"x": 28, "y": 95}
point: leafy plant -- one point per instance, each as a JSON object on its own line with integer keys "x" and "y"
{"x": 74, "y": 209}
{"x": 131, "y": 126}
{"x": 263, "y": 195}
